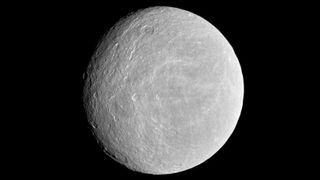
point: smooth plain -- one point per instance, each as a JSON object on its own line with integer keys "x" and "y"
{"x": 164, "y": 91}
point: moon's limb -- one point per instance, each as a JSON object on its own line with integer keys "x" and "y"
{"x": 165, "y": 89}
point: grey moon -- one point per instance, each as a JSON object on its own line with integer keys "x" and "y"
{"x": 163, "y": 91}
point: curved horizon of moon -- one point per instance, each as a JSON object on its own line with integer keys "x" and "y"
{"x": 164, "y": 91}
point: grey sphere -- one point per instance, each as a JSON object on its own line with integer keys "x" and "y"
{"x": 164, "y": 91}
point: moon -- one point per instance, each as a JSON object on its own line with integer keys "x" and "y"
{"x": 163, "y": 91}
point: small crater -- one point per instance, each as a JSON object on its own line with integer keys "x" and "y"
{"x": 148, "y": 30}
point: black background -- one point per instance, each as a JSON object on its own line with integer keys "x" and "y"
{"x": 57, "y": 41}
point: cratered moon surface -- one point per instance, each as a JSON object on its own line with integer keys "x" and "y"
{"x": 163, "y": 91}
